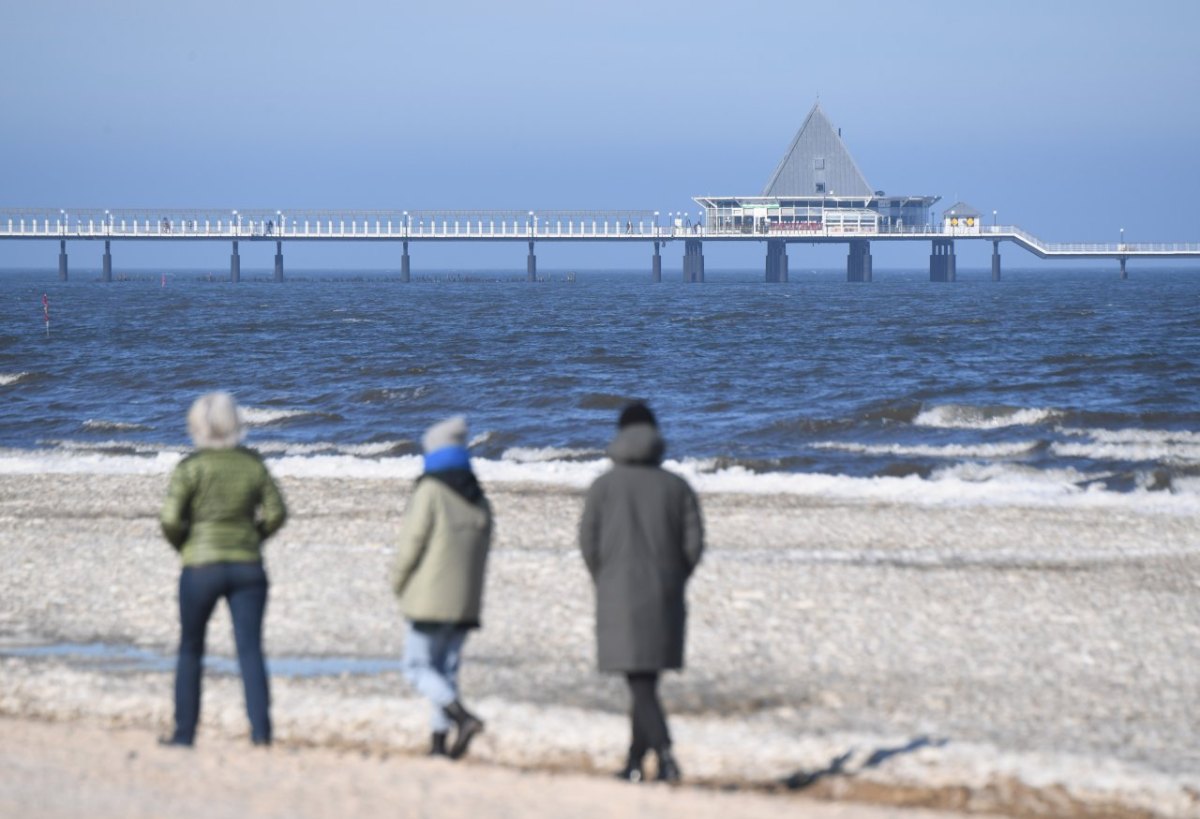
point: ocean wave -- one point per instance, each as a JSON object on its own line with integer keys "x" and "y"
{"x": 98, "y": 425}
{"x": 1011, "y": 449}
{"x": 549, "y": 453}
{"x": 960, "y": 485}
{"x": 966, "y": 416}
{"x": 12, "y": 378}
{"x": 373, "y": 449}
{"x": 1173, "y": 447}
{"x": 261, "y": 417}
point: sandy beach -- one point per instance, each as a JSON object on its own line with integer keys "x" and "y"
{"x": 1019, "y": 660}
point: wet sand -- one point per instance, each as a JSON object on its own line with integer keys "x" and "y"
{"x": 1031, "y": 661}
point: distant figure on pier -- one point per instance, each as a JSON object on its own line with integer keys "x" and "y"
{"x": 441, "y": 556}
{"x": 221, "y": 505}
{"x": 641, "y": 536}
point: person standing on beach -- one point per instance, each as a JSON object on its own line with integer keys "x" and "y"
{"x": 221, "y": 505}
{"x": 441, "y": 556}
{"x": 641, "y": 536}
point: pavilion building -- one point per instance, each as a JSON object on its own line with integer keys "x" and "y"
{"x": 817, "y": 188}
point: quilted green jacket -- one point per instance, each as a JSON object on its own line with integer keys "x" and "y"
{"x": 221, "y": 505}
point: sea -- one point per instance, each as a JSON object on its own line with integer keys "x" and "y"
{"x": 1054, "y": 386}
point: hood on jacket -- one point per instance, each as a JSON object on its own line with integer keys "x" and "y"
{"x": 638, "y": 444}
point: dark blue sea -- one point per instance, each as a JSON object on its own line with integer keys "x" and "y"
{"x": 1055, "y": 381}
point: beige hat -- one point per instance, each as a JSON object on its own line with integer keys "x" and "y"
{"x": 451, "y": 432}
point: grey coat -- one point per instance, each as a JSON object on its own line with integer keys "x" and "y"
{"x": 641, "y": 537}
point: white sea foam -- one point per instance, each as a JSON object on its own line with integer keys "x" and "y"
{"x": 549, "y": 453}
{"x": 965, "y": 416}
{"x": 11, "y": 378}
{"x": 1160, "y": 446}
{"x": 259, "y": 417}
{"x": 374, "y": 449}
{"x": 960, "y": 485}
{"x": 1011, "y": 449}
{"x": 100, "y": 425}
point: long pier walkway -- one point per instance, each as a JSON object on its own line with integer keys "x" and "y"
{"x": 405, "y": 227}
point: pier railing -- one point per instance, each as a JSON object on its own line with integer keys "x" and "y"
{"x": 554, "y": 225}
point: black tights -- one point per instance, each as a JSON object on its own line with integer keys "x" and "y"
{"x": 649, "y": 721}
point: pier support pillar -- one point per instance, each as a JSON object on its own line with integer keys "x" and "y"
{"x": 405, "y": 276}
{"x": 858, "y": 262}
{"x": 656, "y": 265}
{"x": 278, "y": 260}
{"x": 777, "y": 260}
{"x": 235, "y": 265}
{"x": 106, "y": 274}
{"x": 62, "y": 260}
{"x": 693, "y": 260}
{"x": 943, "y": 266}
{"x": 531, "y": 265}
{"x": 995, "y": 261}
{"x": 1124, "y": 273}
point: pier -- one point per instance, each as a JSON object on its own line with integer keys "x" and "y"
{"x": 817, "y": 195}
{"x": 410, "y": 228}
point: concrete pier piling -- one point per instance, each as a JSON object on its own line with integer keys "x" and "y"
{"x": 656, "y": 264}
{"x": 62, "y": 260}
{"x": 693, "y": 260}
{"x": 106, "y": 274}
{"x": 858, "y": 261}
{"x": 278, "y": 261}
{"x": 1124, "y": 272}
{"x": 996, "y": 261}
{"x": 943, "y": 267}
{"x": 777, "y": 261}
{"x": 405, "y": 275}
{"x": 235, "y": 265}
{"x": 531, "y": 265}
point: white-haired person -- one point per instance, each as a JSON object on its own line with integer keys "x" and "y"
{"x": 221, "y": 505}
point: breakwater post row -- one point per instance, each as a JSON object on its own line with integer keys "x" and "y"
{"x": 531, "y": 227}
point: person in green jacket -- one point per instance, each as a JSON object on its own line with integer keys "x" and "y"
{"x": 221, "y": 505}
{"x": 441, "y": 555}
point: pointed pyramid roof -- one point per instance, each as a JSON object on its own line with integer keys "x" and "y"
{"x": 817, "y": 156}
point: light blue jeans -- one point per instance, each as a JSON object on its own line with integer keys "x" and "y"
{"x": 432, "y": 653}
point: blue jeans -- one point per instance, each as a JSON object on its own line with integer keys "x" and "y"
{"x": 432, "y": 653}
{"x": 244, "y": 586}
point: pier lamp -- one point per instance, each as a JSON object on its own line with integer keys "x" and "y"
{"x": 279, "y": 220}
{"x": 64, "y": 220}
{"x": 1122, "y": 238}
{"x": 532, "y": 225}
{"x": 993, "y": 218}
{"x": 656, "y": 223}
{"x": 107, "y": 222}
{"x": 236, "y": 223}
{"x": 405, "y": 223}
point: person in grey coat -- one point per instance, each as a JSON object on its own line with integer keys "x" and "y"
{"x": 641, "y": 536}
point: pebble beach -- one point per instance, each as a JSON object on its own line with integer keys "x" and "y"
{"x": 1020, "y": 660}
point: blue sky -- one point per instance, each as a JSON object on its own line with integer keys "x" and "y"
{"x": 1072, "y": 120}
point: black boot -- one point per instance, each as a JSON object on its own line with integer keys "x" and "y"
{"x": 438, "y": 745}
{"x": 175, "y": 740}
{"x": 668, "y": 768}
{"x": 468, "y": 726}
{"x": 632, "y": 772}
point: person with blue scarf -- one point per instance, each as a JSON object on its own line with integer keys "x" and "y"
{"x": 441, "y": 557}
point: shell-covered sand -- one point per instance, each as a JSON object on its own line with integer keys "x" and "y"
{"x": 1038, "y": 661}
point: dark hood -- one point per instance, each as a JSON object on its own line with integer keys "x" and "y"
{"x": 638, "y": 444}
{"x": 462, "y": 481}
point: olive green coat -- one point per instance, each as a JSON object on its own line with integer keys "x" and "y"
{"x": 441, "y": 555}
{"x": 221, "y": 505}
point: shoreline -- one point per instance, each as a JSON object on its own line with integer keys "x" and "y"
{"x": 1022, "y": 660}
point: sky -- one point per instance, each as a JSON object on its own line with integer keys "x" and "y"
{"x": 1072, "y": 120}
